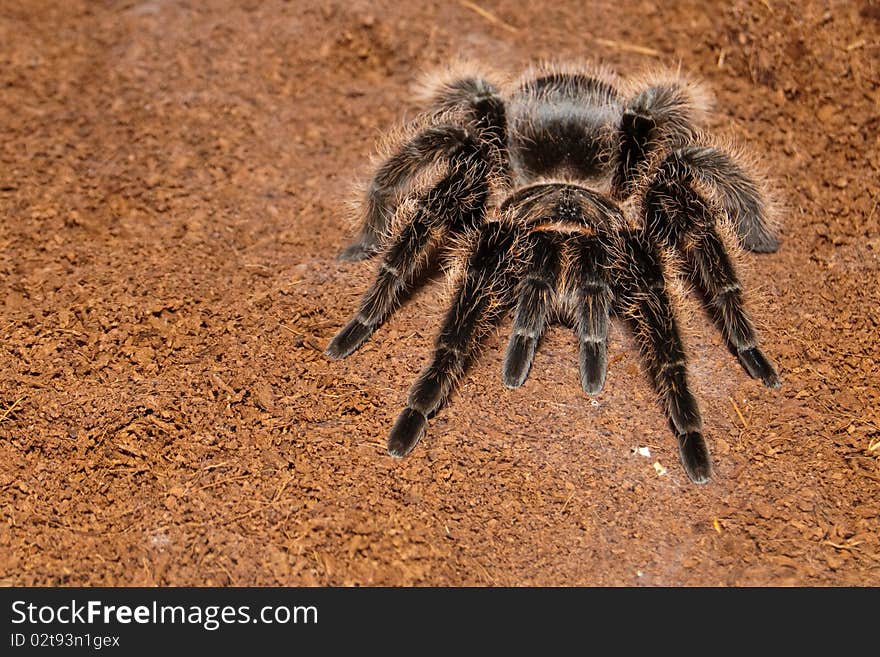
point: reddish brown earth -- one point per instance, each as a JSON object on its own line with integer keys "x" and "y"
{"x": 172, "y": 178}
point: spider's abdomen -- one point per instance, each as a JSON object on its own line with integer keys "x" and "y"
{"x": 563, "y": 124}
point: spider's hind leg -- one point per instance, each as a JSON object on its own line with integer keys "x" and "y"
{"x": 722, "y": 295}
{"x": 401, "y": 262}
{"x": 685, "y": 207}
{"x": 459, "y": 198}
{"x": 427, "y": 147}
{"x": 662, "y": 109}
{"x": 462, "y": 105}
{"x": 738, "y": 192}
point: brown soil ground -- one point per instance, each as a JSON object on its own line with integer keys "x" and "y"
{"x": 172, "y": 178}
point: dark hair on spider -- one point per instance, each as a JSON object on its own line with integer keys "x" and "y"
{"x": 564, "y": 194}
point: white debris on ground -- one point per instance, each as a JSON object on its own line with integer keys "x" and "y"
{"x": 642, "y": 451}
{"x": 661, "y": 471}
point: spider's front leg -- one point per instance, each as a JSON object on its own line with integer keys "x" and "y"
{"x": 644, "y": 301}
{"x": 477, "y": 303}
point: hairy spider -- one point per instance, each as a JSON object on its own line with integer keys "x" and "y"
{"x": 571, "y": 195}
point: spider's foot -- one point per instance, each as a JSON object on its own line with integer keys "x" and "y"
{"x": 695, "y": 456}
{"x": 593, "y": 364}
{"x": 358, "y": 251}
{"x": 518, "y": 360}
{"x": 348, "y": 339}
{"x": 406, "y": 432}
{"x": 759, "y": 367}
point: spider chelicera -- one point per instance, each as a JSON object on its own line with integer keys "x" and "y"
{"x": 567, "y": 195}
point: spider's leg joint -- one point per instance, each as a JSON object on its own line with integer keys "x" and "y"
{"x": 674, "y": 365}
{"x": 446, "y": 348}
{"x": 543, "y": 282}
{"x": 724, "y": 297}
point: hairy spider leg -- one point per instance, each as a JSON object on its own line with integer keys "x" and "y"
{"x": 477, "y": 304}
{"x": 645, "y": 303}
{"x": 535, "y": 299}
{"x": 685, "y": 218}
{"x": 459, "y": 198}
{"x": 717, "y": 280}
{"x": 635, "y": 136}
{"x": 594, "y": 296}
{"x": 480, "y": 102}
{"x": 737, "y": 191}
{"x": 427, "y": 147}
{"x": 662, "y": 112}
{"x": 482, "y": 113}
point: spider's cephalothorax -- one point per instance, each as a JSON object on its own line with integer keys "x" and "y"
{"x": 567, "y": 194}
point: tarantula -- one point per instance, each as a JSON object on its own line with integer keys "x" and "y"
{"x": 568, "y": 195}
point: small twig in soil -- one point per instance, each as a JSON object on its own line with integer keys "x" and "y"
{"x": 628, "y": 47}
{"x": 849, "y": 545}
{"x": 488, "y": 15}
{"x": 873, "y": 210}
{"x": 214, "y": 466}
{"x": 150, "y": 577}
{"x": 7, "y": 412}
{"x": 855, "y": 45}
{"x": 220, "y": 482}
{"x": 486, "y": 574}
{"x": 562, "y": 510}
{"x": 277, "y": 495}
{"x": 741, "y": 418}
